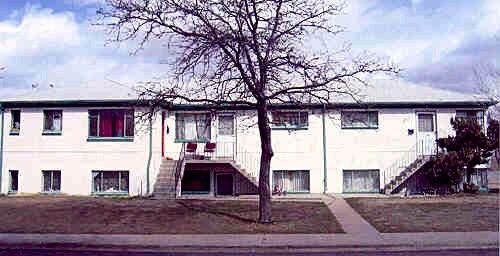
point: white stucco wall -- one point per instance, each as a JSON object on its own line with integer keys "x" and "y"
{"x": 31, "y": 152}
{"x": 346, "y": 149}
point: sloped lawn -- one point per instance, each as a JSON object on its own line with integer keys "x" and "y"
{"x": 69, "y": 215}
{"x": 453, "y": 213}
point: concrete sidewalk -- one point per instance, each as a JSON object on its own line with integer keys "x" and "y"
{"x": 344, "y": 242}
{"x": 360, "y": 235}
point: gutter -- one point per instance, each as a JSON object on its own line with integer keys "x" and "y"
{"x": 325, "y": 171}
{"x": 150, "y": 153}
{"x": 1, "y": 146}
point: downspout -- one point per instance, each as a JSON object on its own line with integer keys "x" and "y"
{"x": 324, "y": 151}
{"x": 150, "y": 152}
{"x": 1, "y": 147}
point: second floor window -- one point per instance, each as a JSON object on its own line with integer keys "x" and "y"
{"x": 111, "y": 123}
{"x": 359, "y": 119}
{"x": 194, "y": 127}
{"x": 290, "y": 120}
{"x": 16, "y": 122}
{"x": 471, "y": 115}
{"x": 52, "y": 121}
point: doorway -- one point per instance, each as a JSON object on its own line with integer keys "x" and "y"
{"x": 426, "y": 133}
{"x": 224, "y": 184}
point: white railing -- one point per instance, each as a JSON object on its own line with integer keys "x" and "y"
{"x": 404, "y": 160}
{"x": 420, "y": 150}
{"x": 250, "y": 161}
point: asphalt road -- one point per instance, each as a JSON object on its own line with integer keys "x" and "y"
{"x": 481, "y": 252}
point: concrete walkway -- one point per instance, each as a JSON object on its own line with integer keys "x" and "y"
{"x": 359, "y": 236}
{"x": 351, "y": 221}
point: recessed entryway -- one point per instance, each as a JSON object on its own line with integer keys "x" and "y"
{"x": 224, "y": 184}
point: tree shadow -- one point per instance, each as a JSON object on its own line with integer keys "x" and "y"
{"x": 216, "y": 212}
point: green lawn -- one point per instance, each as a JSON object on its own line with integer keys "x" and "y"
{"x": 454, "y": 213}
{"x": 68, "y": 215}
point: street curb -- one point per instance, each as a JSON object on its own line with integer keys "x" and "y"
{"x": 267, "y": 249}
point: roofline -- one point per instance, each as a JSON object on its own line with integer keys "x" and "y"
{"x": 135, "y": 102}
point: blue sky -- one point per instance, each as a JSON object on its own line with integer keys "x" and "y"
{"x": 437, "y": 43}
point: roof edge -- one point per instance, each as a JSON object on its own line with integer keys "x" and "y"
{"x": 136, "y": 102}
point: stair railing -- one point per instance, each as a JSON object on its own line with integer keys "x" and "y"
{"x": 178, "y": 168}
{"x": 406, "y": 158}
{"x": 250, "y": 161}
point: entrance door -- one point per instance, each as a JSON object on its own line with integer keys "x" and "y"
{"x": 224, "y": 184}
{"x": 426, "y": 134}
{"x": 226, "y": 139}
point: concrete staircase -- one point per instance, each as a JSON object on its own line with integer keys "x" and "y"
{"x": 245, "y": 173}
{"x": 165, "y": 181}
{"x": 395, "y": 185}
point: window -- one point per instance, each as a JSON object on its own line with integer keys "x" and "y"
{"x": 359, "y": 119}
{"x": 291, "y": 181}
{"x": 110, "y": 182}
{"x": 52, "y": 122}
{"x": 111, "y": 123}
{"x": 361, "y": 181}
{"x": 471, "y": 115}
{"x": 51, "y": 181}
{"x": 425, "y": 122}
{"x": 192, "y": 127}
{"x": 196, "y": 182}
{"x": 13, "y": 181}
{"x": 290, "y": 120}
{"x": 15, "y": 127}
{"x": 226, "y": 125}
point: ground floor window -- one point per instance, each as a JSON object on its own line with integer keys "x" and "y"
{"x": 13, "y": 181}
{"x": 110, "y": 181}
{"x": 361, "y": 181}
{"x": 51, "y": 181}
{"x": 291, "y": 181}
{"x": 479, "y": 177}
{"x": 196, "y": 182}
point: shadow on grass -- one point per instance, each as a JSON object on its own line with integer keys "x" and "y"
{"x": 216, "y": 212}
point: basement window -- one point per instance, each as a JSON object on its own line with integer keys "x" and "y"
{"x": 51, "y": 181}
{"x": 13, "y": 181}
{"x": 291, "y": 181}
{"x": 361, "y": 181}
{"x": 110, "y": 182}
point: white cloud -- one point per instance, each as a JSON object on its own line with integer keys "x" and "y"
{"x": 45, "y": 47}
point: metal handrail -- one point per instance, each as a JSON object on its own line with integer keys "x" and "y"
{"x": 178, "y": 167}
{"x": 418, "y": 151}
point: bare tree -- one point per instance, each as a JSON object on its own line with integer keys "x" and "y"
{"x": 488, "y": 79}
{"x": 243, "y": 52}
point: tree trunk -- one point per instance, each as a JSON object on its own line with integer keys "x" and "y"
{"x": 265, "y": 213}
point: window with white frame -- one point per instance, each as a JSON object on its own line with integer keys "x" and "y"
{"x": 292, "y": 181}
{"x": 51, "y": 181}
{"x": 15, "y": 127}
{"x": 52, "y": 121}
{"x": 355, "y": 181}
{"x": 110, "y": 181}
{"x": 471, "y": 115}
{"x": 290, "y": 119}
{"x": 192, "y": 127}
{"x": 226, "y": 124}
{"x": 359, "y": 119}
{"x": 111, "y": 123}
